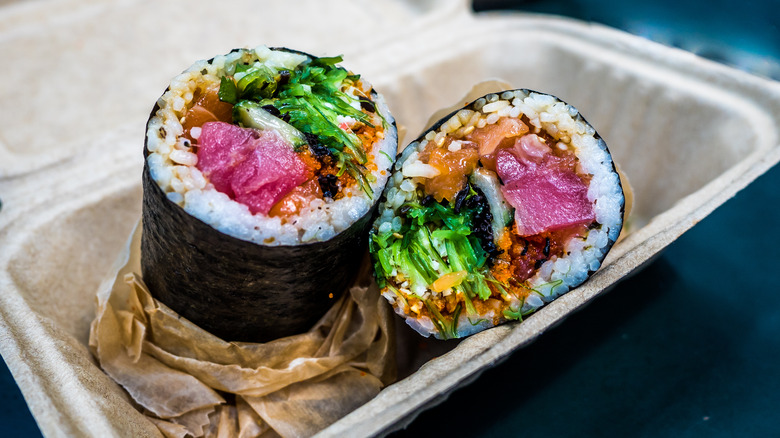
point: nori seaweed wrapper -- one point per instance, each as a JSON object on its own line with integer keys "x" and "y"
{"x": 239, "y": 290}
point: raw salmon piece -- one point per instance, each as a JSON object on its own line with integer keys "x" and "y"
{"x": 207, "y": 108}
{"x": 490, "y": 136}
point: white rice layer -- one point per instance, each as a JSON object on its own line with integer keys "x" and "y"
{"x": 172, "y": 164}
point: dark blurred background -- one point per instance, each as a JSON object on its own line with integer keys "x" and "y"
{"x": 743, "y": 34}
{"x": 687, "y": 347}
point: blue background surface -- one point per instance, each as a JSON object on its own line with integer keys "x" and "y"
{"x": 688, "y": 346}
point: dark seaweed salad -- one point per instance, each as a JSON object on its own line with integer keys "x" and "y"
{"x": 304, "y": 104}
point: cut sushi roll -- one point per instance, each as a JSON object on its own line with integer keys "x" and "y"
{"x": 262, "y": 170}
{"x": 497, "y": 209}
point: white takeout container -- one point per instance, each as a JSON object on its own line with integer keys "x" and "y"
{"x": 81, "y": 77}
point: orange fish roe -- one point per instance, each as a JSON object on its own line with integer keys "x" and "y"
{"x": 369, "y": 135}
{"x": 521, "y": 256}
{"x": 502, "y": 267}
{"x": 311, "y": 162}
{"x": 329, "y": 168}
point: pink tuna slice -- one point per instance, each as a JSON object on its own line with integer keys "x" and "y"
{"x": 527, "y": 153}
{"x": 545, "y": 195}
{"x": 256, "y": 168}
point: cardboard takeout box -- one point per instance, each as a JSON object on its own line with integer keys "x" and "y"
{"x": 81, "y": 77}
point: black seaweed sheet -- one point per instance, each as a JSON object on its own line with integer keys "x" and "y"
{"x": 239, "y": 290}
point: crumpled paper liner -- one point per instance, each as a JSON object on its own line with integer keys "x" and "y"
{"x": 189, "y": 382}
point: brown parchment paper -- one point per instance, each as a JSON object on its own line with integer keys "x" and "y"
{"x": 191, "y": 383}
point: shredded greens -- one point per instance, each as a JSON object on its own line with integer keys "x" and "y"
{"x": 309, "y": 98}
{"x": 435, "y": 240}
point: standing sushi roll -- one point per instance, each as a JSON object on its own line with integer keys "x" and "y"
{"x": 497, "y": 209}
{"x": 262, "y": 170}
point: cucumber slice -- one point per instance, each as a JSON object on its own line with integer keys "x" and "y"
{"x": 252, "y": 115}
{"x": 502, "y": 212}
